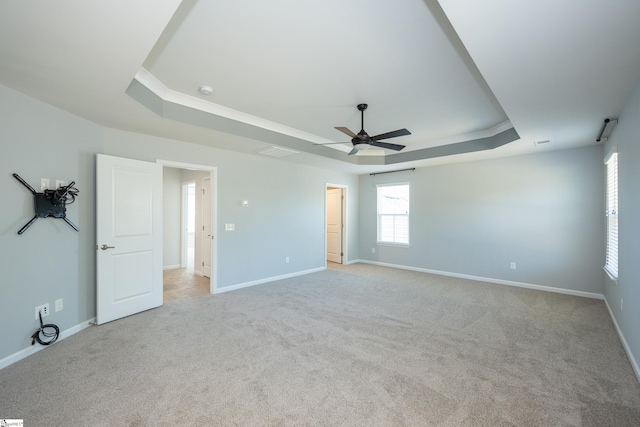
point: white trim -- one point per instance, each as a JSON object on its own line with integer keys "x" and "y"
{"x": 393, "y": 184}
{"x": 611, "y": 152}
{"x": 378, "y": 215}
{"x": 182, "y": 165}
{"x": 627, "y": 349}
{"x": 32, "y": 349}
{"x": 486, "y": 133}
{"x": 393, "y": 245}
{"x": 148, "y": 80}
{"x": 490, "y": 280}
{"x": 171, "y": 267}
{"x": 266, "y": 280}
{"x": 611, "y": 276}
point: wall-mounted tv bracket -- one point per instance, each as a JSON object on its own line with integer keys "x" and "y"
{"x": 51, "y": 202}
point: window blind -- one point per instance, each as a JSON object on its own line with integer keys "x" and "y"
{"x": 611, "y": 261}
{"x": 393, "y": 213}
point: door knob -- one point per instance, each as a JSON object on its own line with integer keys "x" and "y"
{"x": 105, "y": 247}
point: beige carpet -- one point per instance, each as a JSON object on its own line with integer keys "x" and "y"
{"x": 354, "y": 345}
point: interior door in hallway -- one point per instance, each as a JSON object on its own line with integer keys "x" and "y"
{"x": 129, "y": 237}
{"x": 335, "y": 199}
{"x": 206, "y": 227}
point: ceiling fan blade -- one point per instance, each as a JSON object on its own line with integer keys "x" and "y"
{"x": 399, "y": 132}
{"x": 346, "y": 131}
{"x": 396, "y": 147}
{"x": 330, "y": 143}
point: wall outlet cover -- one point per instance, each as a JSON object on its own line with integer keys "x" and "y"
{"x": 44, "y": 309}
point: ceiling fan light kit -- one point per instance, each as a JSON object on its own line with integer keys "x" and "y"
{"x": 362, "y": 140}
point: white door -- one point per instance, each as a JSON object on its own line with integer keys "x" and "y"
{"x": 129, "y": 237}
{"x": 206, "y": 227}
{"x": 334, "y": 225}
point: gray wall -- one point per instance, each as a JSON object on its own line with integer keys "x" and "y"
{"x": 50, "y": 260}
{"x": 541, "y": 211}
{"x": 171, "y": 216}
{"x": 626, "y": 136}
{"x": 285, "y": 216}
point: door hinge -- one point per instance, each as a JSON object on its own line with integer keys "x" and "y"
{"x": 203, "y": 263}
{"x": 203, "y": 228}
{"x": 341, "y": 254}
{"x": 202, "y": 191}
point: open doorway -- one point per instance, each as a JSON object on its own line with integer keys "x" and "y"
{"x": 188, "y": 225}
{"x": 335, "y": 220}
{"x": 188, "y": 221}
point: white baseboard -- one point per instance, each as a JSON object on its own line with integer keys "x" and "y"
{"x": 171, "y": 267}
{"x": 627, "y": 349}
{"x": 266, "y": 280}
{"x": 489, "y": 280}
{"x": 13, "y": 358}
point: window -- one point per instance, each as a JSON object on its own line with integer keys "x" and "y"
{"x": 393, "y": 214}
{"x": 611, "y": 261}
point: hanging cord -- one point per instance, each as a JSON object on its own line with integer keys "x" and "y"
{"x": 50, "y": 331}
{"x": 66, "y": 195}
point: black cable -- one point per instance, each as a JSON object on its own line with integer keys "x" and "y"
{"x": 46, "y": 332}
{"x": 66, "y": 195}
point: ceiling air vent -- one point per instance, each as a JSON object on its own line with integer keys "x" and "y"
{"x": 545, "y": 142}
{"x": 277, "y": 152}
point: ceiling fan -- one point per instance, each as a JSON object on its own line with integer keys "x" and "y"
{"x": 362, "y": 140}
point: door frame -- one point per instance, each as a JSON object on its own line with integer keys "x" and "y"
{"x": 345, "y": 249}
{"x": 213, "y": 174}
{"x": 202, "y": 215}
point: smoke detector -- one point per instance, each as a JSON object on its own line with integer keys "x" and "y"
{"x": 206, "y": 90}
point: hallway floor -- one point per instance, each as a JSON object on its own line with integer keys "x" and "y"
{"x": 183, "y": 283}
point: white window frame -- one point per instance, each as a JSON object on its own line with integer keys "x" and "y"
{"x": 612, "y": 214}
{"x": 396, "y": 240}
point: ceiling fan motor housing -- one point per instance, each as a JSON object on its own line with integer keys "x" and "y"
{"x": 362, "y": 138}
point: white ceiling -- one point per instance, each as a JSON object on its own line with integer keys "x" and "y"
{"x": 286, "y": 72}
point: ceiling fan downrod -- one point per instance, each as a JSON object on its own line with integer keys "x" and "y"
{"x": 361, "y": 108}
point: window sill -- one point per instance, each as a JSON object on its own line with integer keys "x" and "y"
{"x": 397, "y": 245}
{"x": 613, "y": 278}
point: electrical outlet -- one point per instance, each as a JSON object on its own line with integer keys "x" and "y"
{"x": 286, "y": 260}
{"x": 373, "y": 250}
{"x": 59, "y": 305}
{"x": 513, "y": 265}
{"x": 44, "y": 184}
{"x": 44, "y": 309}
